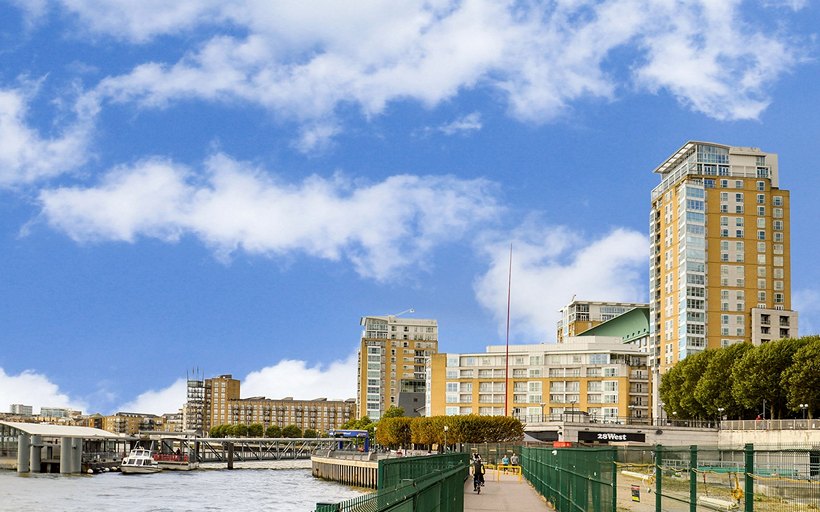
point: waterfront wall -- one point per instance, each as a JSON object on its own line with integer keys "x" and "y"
{"x": 358, "y": 473}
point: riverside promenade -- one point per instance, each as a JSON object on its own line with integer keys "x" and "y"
{"x": 502, "y": 494}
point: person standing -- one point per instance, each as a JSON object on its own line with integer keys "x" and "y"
{"x": 505, "y": 462}
{"x": 514, "y": 460}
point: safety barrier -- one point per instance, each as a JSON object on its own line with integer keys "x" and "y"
{"x": 421, "y": 484}
{"x": 676, "y": 478}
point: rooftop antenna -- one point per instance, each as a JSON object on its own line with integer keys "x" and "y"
{"x": 411, "y": 310}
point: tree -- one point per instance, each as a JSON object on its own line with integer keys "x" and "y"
{"x": 309, "y": 432}
{"x": 466, "y": 429}
{"x": 693, "y": 370}
{"x": 394, "y": 432}
{"x": 240, "y": 430}
{"x": 273, "y": 431}
{"x": 393, "y": 412}
{"x": 714, "y": 388}
{"x": 801, "y": 380}
{"x": 671, "y": 384}
{"x": 291, "y": 431}
{"x": 256, "y": 430}
{"x": 757, "y": 376}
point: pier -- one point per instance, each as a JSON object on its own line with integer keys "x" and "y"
{"x": 502, "y": 492}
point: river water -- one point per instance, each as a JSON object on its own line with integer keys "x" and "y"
{"x": 202, "y": 490}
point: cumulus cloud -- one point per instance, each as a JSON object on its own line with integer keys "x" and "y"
{"x": 26, "y": 156}
{"x": 297, "y": 379}
{"x": 160, "y": 401}
{"x": 303, "y": 60}
{"x": 551, "y": 264}
{"x": 35, "y": 389}
{"x": 288, "y": 377}
{"x": 379, "y": 227}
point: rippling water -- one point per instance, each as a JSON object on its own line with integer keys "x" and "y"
{"x": 172, "y": 491}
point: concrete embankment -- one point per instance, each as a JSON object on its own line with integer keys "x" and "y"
{"x": 359, "y": 473}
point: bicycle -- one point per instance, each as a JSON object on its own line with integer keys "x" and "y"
{"x": 476, "y": 485}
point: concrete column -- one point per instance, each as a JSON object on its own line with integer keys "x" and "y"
{"x": 65, "y": 455}
{"x": 230, "y": 455}
{"x": 23, "y": 453}
{"x": 36, "y": 454}
{"x": 77, "y": 455}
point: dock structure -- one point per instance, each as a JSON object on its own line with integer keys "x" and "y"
{"x": 229, "y": 450}
{"x": 40, "y": 447}
{"x": 503, "y": 492}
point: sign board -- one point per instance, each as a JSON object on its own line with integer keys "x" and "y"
{"x": 608, "y": 437}
{"x": 636, "y": 492}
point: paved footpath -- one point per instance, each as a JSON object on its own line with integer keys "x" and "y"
{"x": 506, "y": 493}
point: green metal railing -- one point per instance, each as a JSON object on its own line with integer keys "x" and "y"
{"x": 394, "y": 471}
{"x": 680, "y": 479}
{"x": 572, "y": 479}
{"x": 433, "y": 483}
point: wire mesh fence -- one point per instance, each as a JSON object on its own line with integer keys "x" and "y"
{"x": 676, "y": 479}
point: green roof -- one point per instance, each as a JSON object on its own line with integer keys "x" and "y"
{"x": 629, "y": 326}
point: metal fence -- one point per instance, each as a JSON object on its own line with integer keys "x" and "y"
{"x": 572, "y": 479}
{"x": 392, "y": 471}
{"x": 433, "y": 483}
{"x": 676, "y": 479}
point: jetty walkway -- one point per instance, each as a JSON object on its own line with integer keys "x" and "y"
{"x": 502, "y": 493}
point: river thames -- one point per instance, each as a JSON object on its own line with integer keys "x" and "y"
{"x": 172, "y": 491}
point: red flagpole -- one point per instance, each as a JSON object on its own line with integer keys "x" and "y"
{"x": 507, "y": 357}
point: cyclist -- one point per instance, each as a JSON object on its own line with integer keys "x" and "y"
{"x": 478, "y": 474}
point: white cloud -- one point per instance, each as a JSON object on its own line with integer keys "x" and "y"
{"x": 807, "y": 304}
{"x": 549, "y": 266}
{"x": 35, "y": 389}
{"x": 25, "y": 155}
{"x": 161, "y": 401}
{"x": 379, "y": 227}
{"x": 465, "y": 124}
{"x": 714, "y": 62}
{"x": 288, "y": 377}
{"x": 302, "y": 60}
{"x": 296, "y": 379}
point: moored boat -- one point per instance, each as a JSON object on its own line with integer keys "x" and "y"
{"x": 139, "y": 461}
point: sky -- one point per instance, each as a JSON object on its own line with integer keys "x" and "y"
{"x": 228, "y": 186}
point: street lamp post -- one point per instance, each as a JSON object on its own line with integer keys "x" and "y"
{"x": 674, "y": 417}
{"x": 542, "y": 412}
{"x": 631, "y": 413}
{"x": 572, "y": 411}
{"x": 720, "y": 415}
{"x": 804, "y": 408}
{"x": 446, "y": 428}
{"x": 375, "y": 444}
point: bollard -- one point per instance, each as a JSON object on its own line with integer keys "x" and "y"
{"x": 230, "y": 455}
{"x": 23, "y": 452}
{"x": 36, "y": 454}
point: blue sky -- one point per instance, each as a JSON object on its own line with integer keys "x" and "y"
{"x": 230, "y": 185}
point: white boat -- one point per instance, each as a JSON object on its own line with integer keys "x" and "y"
{"x": 140, "y": 460}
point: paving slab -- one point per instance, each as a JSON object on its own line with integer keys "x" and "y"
{"x": 501, "y": 493}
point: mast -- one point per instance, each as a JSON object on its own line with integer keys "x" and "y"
{"x": 507, "y": 355}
